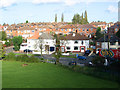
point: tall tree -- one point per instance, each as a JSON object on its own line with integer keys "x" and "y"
{"x": 55, "y": 17}
{"x": 26, "y": 21}
{"x": 82, "y": 19}
{"x": 17, "y": 40}
{"x": 62, "y": 18}
{"x": 85, "y": 17}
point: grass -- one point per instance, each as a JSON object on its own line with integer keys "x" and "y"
{"x": 23, "y": 54}
{"x": 46, "y": 75}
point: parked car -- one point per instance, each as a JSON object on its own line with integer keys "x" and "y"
{"x": 72, "y": 63}
{"x": 27, "y": 50}
{"x": 81, "y": 58}
{"x": 87, "y": 52}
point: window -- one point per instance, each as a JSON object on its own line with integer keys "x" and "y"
{"x": 98, "y": 43}
{"x": 73, "y": 29}
{"x": 82, "y": 42}
{"x": 91, "y": 29}
{"x": 61, "y": 29}
{"x": 79, "y": 29}
{"x": 21, "y": 31}
{"x": 76, "y": 42}
{"x": 40, "y": 29}
{"x": 11, "y": 30}
{"x": 112, "y": 43}
{"x": 68, "y": 48}
{"x": 75, "y": 48}
{"x": 65, "y": 29}
{"x": 33, "y": 31}
{"x": 7, "y": 31}
{"x": 87, "y": 29}
{"x": 83, "y": 29}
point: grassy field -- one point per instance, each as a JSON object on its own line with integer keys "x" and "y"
{"x": 46, "y": 75}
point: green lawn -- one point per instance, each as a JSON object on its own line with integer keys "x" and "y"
{"x": 45, "y": 75}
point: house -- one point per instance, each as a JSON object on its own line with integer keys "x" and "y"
{"x": 114, "y": 29}
{"x": 75, "y": 43}
{"x": 109, "y": 41}
{"x": 43, "y": 41}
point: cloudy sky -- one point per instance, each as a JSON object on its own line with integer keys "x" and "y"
{"x": 18, "y": 11}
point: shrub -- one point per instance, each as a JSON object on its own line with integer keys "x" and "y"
{"x": 7, "y": 43}
{"x": 98, "y": 61}
{"x": 10, "y": 57}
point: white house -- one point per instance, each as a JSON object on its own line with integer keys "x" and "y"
{"x": 44, "y": 40}
{"x": 74, "y": 43}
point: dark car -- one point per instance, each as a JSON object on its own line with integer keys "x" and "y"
{"x": 81, "y": 58}
{"x": 27, "y": 50}
{"x": 87, "y": 52}
{"x": 72, "y": 63}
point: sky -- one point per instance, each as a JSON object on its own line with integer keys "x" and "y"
{"x": 18, "y": 11}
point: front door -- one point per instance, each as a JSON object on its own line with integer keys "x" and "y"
{"x": 82, "y": 48}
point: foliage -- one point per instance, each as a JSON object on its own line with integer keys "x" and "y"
{"x": 118, "y": 33}
{"x": 17, "y": 40}
{"x": 62, "y": 18}
{"x": 10, "y": 56}
{"x": 98, "y": 61}
{"x": 55, "y": 17}
{"x": 26, "y": 21}
{"x": 77, "y": 19}
{"x": 7, "y": 43}
{"x": 3, "y": 35}
{"x": 2, "y": 51}
{"x": 98, "y": 33}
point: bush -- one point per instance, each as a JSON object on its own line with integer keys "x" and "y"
{"x": 98, "y": 61}
{"x": 7, "y": 43}
{"x": 10, "y": 57}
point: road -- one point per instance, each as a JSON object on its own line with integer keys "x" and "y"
{"x": 66, "y": 60}
{"x": 9, "y": 49}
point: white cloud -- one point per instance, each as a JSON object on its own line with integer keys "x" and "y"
{"x": 70, "y": 2}
{"x": 6, "y": 3}
{"x": 112, "y": 9}
{"x": 44, "y": 1}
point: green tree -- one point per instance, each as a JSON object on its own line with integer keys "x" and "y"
{"x": 76, "y": 19}
{"x": 2, "y": 51}
{"x": 26, "y": 21}
{"x": 118, "y": 33}
{"x": 57, "y": 54}
{"x": 86, "y": 19}
{"x": 3, "y": 35}
{"x": 98, "y": 33}
{"x": 62, "y": 18}
{"x": 55, "y": 17}
{"x": 17, "y": 40}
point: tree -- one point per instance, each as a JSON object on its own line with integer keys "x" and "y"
{"x": 57, "y": 54}
{"x": 76, "y": 19}
{"x": 118, "y": 33}
{"x": 55, "y": 17}
{"x": 98, "y": 33}
{"x": 3, "y": 35}
{"x": 62, "y": 18}
{"x": 39, "y": 45}
{"x": 2, "y": 51}
{"x": 86, "y": 19}
{"x": 26, "y": 21}
{"x": 17, "y": 40}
